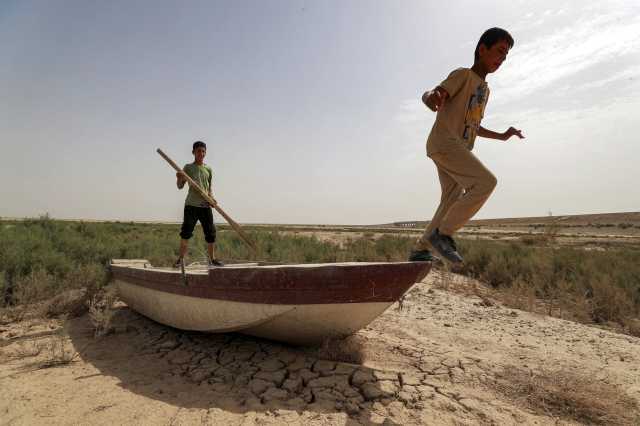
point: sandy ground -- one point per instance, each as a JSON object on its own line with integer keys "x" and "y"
{"x": 444, "y": 358}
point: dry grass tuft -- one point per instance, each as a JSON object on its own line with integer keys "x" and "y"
{"x": 23, "y": 350}
{"x": 536, "y": 239}
{"x": 448, "y": 281}
{"x": 569, "y": 396}
{"x": 70, "y": 303}
{"x": 33, "y": 287}
{"x": 551, "y": 231}
{"x": 520, "y": 296}
{"x": 13, "y": 314}
{"x": 101, "y": 311}
{"x": 349, "y": 350}
{"x": 57, "y": 352}
{"x": 632, "y": 327}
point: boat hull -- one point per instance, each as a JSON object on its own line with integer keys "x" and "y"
{"x": 299, "y": 304}
{"x": 298, "y": 324}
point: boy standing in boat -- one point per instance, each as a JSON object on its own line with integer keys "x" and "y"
{"x": 196, "y": 208}
{"x": 466, "y": 183}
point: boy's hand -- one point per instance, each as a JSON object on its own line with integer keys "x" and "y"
{"x": 511, "y": 131}
{"x": 435, "y": 99}
{"x": 181, "y": 179}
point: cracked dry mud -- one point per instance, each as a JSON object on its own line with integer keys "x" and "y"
{"x": 436, "y": 361}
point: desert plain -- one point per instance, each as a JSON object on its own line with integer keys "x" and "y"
{"x": 453, "y": 351}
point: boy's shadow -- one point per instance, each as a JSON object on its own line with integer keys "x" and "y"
{"x": 233, "y": 372}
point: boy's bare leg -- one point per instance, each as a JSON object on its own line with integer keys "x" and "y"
{"x": 184, "y": 244}
{"x": 211, "y": 251}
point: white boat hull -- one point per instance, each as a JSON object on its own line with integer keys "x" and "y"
{"x": 298, "y": 324}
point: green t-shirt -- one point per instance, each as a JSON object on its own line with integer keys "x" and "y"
{"x": 202, "y": 176}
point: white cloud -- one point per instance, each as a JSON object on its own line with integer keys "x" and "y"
{"x": 602, "y": 36}
{"x": 632, "y": 72}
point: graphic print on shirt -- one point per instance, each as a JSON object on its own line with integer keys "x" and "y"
{"x": 475, "y": 111}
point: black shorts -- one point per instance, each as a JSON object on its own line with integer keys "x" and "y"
{"x": 193, "y": 214}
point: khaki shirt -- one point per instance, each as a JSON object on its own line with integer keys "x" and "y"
{"x": 459, "y": 119}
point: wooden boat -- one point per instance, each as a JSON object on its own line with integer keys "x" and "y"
{"x": 299, "y": 304}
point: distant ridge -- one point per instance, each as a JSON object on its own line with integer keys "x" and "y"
{"x": 579, "y": 220}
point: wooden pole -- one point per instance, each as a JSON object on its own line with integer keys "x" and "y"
{"x": 211, "y": 201}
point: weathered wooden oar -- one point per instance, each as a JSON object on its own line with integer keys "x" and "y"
{"x": 211, "y": 201}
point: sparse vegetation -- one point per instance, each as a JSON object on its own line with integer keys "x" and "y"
{"x": 12, "y": 314}
{"x": 101, "y": 312}
{"x": 28, "y": 349}
{"x": 535, "y": 239}
{"x": 588, "y": 286}
{"x": 569, "y": 395}
{"x": 58, "y": 352}
{"x": 41, "y": 258}
{"x": 68, "y": 304}
{"x": 48, "y": 349}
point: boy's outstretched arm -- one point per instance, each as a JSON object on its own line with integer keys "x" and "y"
{"x": 511, "y": 131}
{"x": 434, "y": 99}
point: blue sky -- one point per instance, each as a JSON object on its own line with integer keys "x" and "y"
{"x": 311, "y": 110}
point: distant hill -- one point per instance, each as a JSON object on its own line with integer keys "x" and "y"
{"x": 598, "y": 219}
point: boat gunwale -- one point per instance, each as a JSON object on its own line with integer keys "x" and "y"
{"x": 351, "y": 282}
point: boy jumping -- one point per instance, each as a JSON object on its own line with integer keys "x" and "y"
{"x": 197, "y": 208}
{"x": 466, "y": 183}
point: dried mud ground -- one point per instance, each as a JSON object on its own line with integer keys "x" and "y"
{"x": 444, "y": 358}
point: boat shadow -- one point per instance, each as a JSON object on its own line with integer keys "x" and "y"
{"x": 233, "y": 372}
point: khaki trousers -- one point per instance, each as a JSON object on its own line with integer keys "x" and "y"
{"x": 466, "y": 184}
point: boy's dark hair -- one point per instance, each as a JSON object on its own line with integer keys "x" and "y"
{"x": 491, "y": 37}
{"x": 198, "y": 144}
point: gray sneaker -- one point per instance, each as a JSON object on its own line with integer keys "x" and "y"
{"x": 179, "y": 264}
{"x": 420, "y": 256}
{"x": 445, "y": 245}
{"x": 215, "y": 262}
